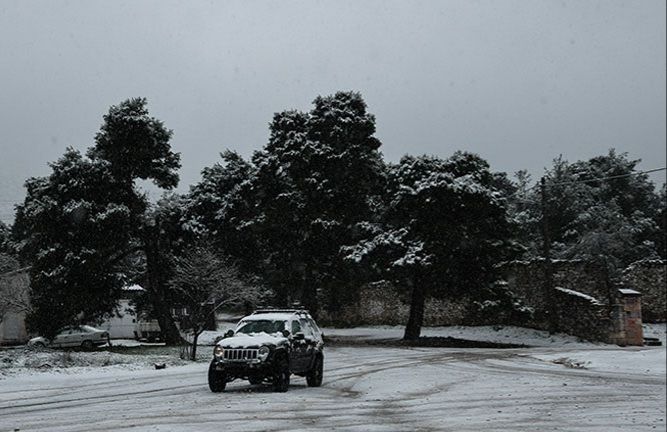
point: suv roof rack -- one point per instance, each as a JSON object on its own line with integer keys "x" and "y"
{"x": 266, "y": 311}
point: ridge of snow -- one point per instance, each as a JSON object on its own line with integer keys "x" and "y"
{"x": 579, "y": 294}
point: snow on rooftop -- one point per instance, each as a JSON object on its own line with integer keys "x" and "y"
{"x": 271, "y": 316}
{"x": 134, "y": 287}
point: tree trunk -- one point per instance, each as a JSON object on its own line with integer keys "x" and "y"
{"x": 164, "y": 318}
{"x": 157, "y": 289}
{"x": 416, "y": 318}
{"x": 193, "y": 352}
{"x": 309, "y": 293}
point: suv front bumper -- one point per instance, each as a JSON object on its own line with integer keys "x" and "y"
{"x": 244, "y": 368}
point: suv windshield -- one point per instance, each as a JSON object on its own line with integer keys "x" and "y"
{"x": 260, "y": 326}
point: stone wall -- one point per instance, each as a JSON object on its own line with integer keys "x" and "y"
{"x": 384, "y": 304}
{"x": 526, "y": 280}
{"x": 649, "y": 278}
{"x": 584, "y": 301}
{"x": 582, "y": 315}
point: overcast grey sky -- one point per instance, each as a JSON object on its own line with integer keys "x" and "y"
{"x": 518, "y": 82}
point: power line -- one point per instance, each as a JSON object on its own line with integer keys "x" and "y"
{"x": 584, "y": 181}
{"x": 607, "y": 178}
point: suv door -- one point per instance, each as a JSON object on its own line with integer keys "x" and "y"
{"x": 299, "y": 354}
{"x": 312, "y": 340}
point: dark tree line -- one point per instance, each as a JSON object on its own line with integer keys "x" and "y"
{"x": 312, "y": 216}
{"x": 602, "y": 210}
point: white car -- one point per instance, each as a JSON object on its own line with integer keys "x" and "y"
{"x": 77, "y": 336}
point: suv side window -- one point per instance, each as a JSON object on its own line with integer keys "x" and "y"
{"x": 316, "y": 329}
{"x": 296, "y": 327}
{"x": 305, "y": 328}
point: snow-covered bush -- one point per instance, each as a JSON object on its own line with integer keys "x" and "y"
{"x": 500, "y": 306}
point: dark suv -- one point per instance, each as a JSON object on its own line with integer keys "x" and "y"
{"x": 268, "y": 346}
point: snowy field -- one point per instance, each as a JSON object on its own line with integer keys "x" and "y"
{"x": 561, "y": 385}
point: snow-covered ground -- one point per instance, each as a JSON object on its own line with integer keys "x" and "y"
{"x": 21, "y": 361}
{"x": 496, "y": 334}
{"x": 559, "y": 385}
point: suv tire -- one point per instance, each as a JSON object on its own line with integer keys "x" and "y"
{"x": 281, "y": 376}
{"x": 217, "y": 381}
{"x": 314, "y": 377}
{"x": 255, "y": 380}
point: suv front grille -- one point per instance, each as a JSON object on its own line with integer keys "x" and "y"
{"x": 240, "y": 354}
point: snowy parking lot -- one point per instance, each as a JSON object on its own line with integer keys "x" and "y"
{"x": 583, "y": 387}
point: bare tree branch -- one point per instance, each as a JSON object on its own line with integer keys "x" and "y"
{"x": 206, "y": 282}
{"x": 14, "y": 293}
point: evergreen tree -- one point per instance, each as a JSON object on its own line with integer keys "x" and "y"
{"x": 444, "y": 228}
{"x": 600, "y": 210}
{"x": 5, "y": 233}
{"x": 661, "y": 223}
{"x": 72, "y": 228}
{"x": 315, "y": 180}
{"x": 79, "y": 226}
{"x": 221, "y": 206}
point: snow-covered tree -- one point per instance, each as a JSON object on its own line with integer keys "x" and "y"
{"x": 598, "y": 210}
{"x": 314, "y": 182}
{"x": 5, "y": 233}
{"x": 444, "y": 228}
{"x": 136, "y": 145}
{"x": 72, "y": 228}
{"x": 162, "y": 236}
{"x": 220, "y": 207}
{"x": 661, "y": 222}
{"x": 78, "y": 227}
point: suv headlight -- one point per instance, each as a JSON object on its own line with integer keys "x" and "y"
{"x": 263, "y": 353}
{"x": 218, "y": 351}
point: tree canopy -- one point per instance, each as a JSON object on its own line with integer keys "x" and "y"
{"x": 312, "y": 215}
{"x": 601, "y": 210}
{"x": 78, "y": 225}
{"x": 443, "y": 228}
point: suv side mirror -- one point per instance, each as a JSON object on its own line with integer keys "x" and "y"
{"x": 299, "y": 336}
{"x": 229, "y": 333}
{"x": 286, "y": 333}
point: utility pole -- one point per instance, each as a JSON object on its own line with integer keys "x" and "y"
{"x": 548, "y": 287}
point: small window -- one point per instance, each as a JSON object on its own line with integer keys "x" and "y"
{"x": 306, "y": 329}
{"x": 314, "y": 326}
{"x": 296, "y": 327}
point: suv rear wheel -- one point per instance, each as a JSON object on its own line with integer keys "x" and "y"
{"x": 314, "y": 377}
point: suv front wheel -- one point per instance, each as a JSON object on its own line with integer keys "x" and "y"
{"x": 217, "y": 380}
{"x": 281, "y": 376}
